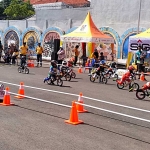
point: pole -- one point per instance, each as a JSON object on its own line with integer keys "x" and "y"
{"x": 139, "y": 16}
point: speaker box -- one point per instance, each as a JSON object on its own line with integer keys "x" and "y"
{"x": 54, "y": 56}
{"x": 56, "y": 45}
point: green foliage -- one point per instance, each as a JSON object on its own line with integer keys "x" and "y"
{"x": 18, "y": 9}
{"x": 6, "y": 3}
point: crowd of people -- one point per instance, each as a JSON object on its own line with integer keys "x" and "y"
{"x": 12, "y": 53}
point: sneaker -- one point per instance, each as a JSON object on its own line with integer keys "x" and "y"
{"x": 44, "y": 80}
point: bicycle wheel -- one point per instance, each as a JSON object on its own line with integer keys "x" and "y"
{"x": 108, "y": 75}
{"x": 140, "y": 94}
{"x": 73, "y": 75}
{"x": 59, "y": 82}
{"x": 19, "y": 69}
{"x": 68, "y": 77}
{"x": 135, "y": 86}
{"x": 92, "y": 79}
{"x": 104, "y": 80}
{"x": 26, "y": 70}
{"x": 120, "y": 86}
{"x": 49, "y": 81}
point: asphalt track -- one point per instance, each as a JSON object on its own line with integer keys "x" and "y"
{"x": 35, "y": 125}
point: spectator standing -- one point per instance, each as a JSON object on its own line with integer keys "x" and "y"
{"x": 61, "y": 55}
{"x": 23, "y": 50}
{"x": 1, "y": 49}
{"x": 102, "y": 56}
{"x": 12, "y": 48}
{"x": 76, "y": 53}
{"x": 140, "y": 60}
{"x": 7, "y": 57}
{"x": 95, "y": 56}
{"x": 15, "y": 55}
{"x": 39, "y": 51}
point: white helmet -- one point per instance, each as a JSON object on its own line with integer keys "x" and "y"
{"x": 64, "y": 63}
{"x": 148, "y": 84}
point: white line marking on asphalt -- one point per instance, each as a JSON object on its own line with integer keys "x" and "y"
{"x": 113, "y": 112}
{"x": 42, "y": 100}
{"x": 94, "y": 99}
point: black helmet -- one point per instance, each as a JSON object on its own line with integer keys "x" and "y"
{"x": 54, "y": 62}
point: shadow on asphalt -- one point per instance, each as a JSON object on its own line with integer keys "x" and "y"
{"x": 68, "y": 86}
{"x": 31, "y": 73}
{"x": 146, "y": 100}
{"x": 78, "y": 78}
{"x": 39, "y": 112}
{"x": 73, "y": 81}
{"x": 117, "y": 133}
{"x": 119, "y": 120}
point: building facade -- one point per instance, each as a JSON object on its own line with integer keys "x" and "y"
{"x": 117, "y": 18}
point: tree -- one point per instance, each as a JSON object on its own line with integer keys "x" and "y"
{"x": 19, "y": 9}
{"x": 3, "y": 5}
{"x": 6, "y": 3}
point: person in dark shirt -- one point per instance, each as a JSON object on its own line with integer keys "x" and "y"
{"x": 102, "y": 56}
{"x": 95, "y": 57}
{"x": 96, "y": 54}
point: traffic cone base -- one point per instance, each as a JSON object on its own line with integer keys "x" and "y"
{"x": 79, "y": 70}
{"x": 73, "y": 116}
{"x": 74, "y": 123}
{"x": 79, "y": 111}
{"x": 20, "y": 91}
{"x": 7, "y": 104}
{"x": 19, "y": 97}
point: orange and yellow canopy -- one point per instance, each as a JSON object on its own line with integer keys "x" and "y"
{"x": 87, "y": 32}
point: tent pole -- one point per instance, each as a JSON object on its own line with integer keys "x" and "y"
{"x": 139, "y": 16}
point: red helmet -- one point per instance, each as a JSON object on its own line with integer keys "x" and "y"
{"x": 131, "y": 68}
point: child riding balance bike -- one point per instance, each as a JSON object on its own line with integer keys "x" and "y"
{"x": 23, "y": 65}
{"x": 127, "y": 79}
{"x": 53, "y": 75}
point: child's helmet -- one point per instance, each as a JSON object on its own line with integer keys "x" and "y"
{"x": 131, "y": 68}
{"x": 148, "y": 84}
{"x": 64, "y": 63}
{"x": 53, "y": 62}
{"x": 102, "y": 62}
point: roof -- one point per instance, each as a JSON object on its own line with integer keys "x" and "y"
{"x": 69, "y": 2}
{"x": 87, "y": 32}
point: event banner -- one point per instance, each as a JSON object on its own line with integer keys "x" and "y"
{"x": 135, "y": 42}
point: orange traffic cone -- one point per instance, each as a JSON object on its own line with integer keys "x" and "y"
{"x": 20, "y": 91}
{"x": 142, "y": 77}
{"x": 29, "y": 63}
{"x": 73, "y": 115}
{"x": 79, "y": 70}
{"x": 80, "y": 108}
{"x": 6, "y": 99}
{"x": 32, "y": 63}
